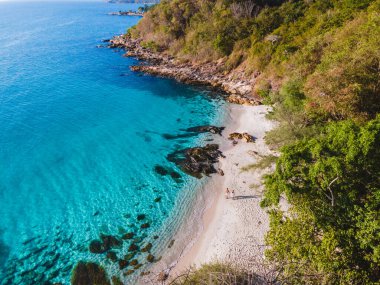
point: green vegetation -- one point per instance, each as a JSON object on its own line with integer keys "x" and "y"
{"x": 216, "y": 273}
{"x": 264, "y": 162}
{"x": 317, "y": 62}
{"x": 145, "y": 8}
{"x": 328, "y": 48}
{"x": 333, "y": 226}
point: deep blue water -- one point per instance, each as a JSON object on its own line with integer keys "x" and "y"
{"x": 80, "y": 135}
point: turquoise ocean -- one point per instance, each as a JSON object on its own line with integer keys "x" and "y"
{"x": 81, "y": 137}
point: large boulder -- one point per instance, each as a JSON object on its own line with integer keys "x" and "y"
{"x": 242, "y": 136}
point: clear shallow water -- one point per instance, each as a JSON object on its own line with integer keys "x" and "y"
{"x": 80, "y": 135}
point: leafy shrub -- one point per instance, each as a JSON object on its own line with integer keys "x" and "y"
{"x": 151, "y": 45}
{"x": 214, "y": 273}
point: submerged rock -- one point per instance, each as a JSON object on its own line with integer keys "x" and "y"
{"x": 54, "y": 274}
{"x": 110, "y": 241}
{"x": 96, "y": 246}
{"x": 129, "y": 272}
{"x": 123, "y": 263}
{"x": 161, "y": 170}
{"x": 179, "y": 136}
{"x": 116, "y": 281}
{"x": 138, "y": 240}
{"x": 89, "y": 274}
{"x": 141, "y": 217}
{"x": 175, "y": 175}
{"x": 130, "y": 255}
{"x": 106, "y": 243}
{"x": 111, "y": 255}
{"x": 128, "y": 236}
{"x": 133, "y": 247}
{"x": 147, "y": 248}
{"x": 164, "y": 171}
{"x": 205, "y": 129}
{"x": 194, "y": 131}
{"x": 150, "y": 258}
{"x": 134, "y": 262}
{"x": 145, "y": 226}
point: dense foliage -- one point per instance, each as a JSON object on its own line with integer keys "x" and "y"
{"x": 332, "y": 231}
{"x": 318, "y": 63}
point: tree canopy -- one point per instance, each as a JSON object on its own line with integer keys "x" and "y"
{"x": 332, "y": 231}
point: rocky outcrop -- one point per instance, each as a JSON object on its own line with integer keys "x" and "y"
{"x": 105, "y": 243}
{"x": 206, "y": 129}
{"x": 89, "y": 273}
{"x": 211, "y": 74}
{"x": 197, "y": 161}
{"x": 241, "y": 136}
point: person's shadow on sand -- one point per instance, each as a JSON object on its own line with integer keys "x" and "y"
{"x": 245, "y": 197}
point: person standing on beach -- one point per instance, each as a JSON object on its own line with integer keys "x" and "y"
{"x": 233, "y": 194}
{"x": 227, "y": 193}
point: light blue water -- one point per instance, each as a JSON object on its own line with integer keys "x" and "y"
{"x": 80, "y": 135}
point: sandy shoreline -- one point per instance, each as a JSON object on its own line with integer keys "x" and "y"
{"x": 216, "y": 228}
{"x": 220, "y": 229}
{"x": 233, "y": 230}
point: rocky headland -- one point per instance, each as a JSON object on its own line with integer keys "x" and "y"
{"x": 236, "y": 85}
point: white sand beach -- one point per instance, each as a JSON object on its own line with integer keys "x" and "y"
{"x": 234, "y": 230}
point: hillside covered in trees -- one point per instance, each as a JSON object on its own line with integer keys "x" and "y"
{"x": 317, "y": 62}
